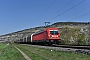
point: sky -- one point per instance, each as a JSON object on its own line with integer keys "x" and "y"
{"x": 16, "y": 15}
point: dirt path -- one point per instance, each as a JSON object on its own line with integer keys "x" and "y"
{"x": 25, "y": 56}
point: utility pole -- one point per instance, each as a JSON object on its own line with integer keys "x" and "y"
{"x": 46, "y": 24}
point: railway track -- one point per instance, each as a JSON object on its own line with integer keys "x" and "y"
{"x": 67, "y": 48}
{"x": 75, "y": 47}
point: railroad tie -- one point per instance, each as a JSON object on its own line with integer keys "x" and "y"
{"x": 25, "y": 56}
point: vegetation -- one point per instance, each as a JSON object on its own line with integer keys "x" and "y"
{"x": 89, "y": 34}
{"x": 10, "y": 53}
{"x": 47, "y": 54}
{"x": 70, "y": 32}
{"x": 31, "y": 54}
{"x": 2, "y": 46}
{"x": 72, "y": 36}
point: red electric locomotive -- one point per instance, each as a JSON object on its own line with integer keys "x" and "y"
{"x": 48, "y": 36}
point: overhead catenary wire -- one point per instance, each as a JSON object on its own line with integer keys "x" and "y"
{"x": 80, "y": 16}
{"x": 78, "y": 12}
{"x": 46, "y": 10}
{"x": 63, "y": 7}
{"x": 69, "y": 9}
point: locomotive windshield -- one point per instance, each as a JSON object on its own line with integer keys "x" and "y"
{"x": 54, "y": 32}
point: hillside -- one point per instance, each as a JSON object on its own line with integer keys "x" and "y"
{"x": 71, "y": 32}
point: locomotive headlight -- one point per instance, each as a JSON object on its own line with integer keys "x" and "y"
{"x": 57, "y": 35}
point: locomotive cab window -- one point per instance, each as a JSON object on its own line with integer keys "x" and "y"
{"x": 54, "y": 32}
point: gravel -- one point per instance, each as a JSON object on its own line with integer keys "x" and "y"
{"x": 84, "y": 51}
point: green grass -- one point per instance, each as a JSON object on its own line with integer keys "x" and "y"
{"x": 55, "y": 55}
{"x": 2, "y": 46}
{"x": 10, "y": 53}
{"x": 32, "y": 55}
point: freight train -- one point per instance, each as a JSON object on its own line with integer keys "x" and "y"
{"x": 48, "y": 36}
